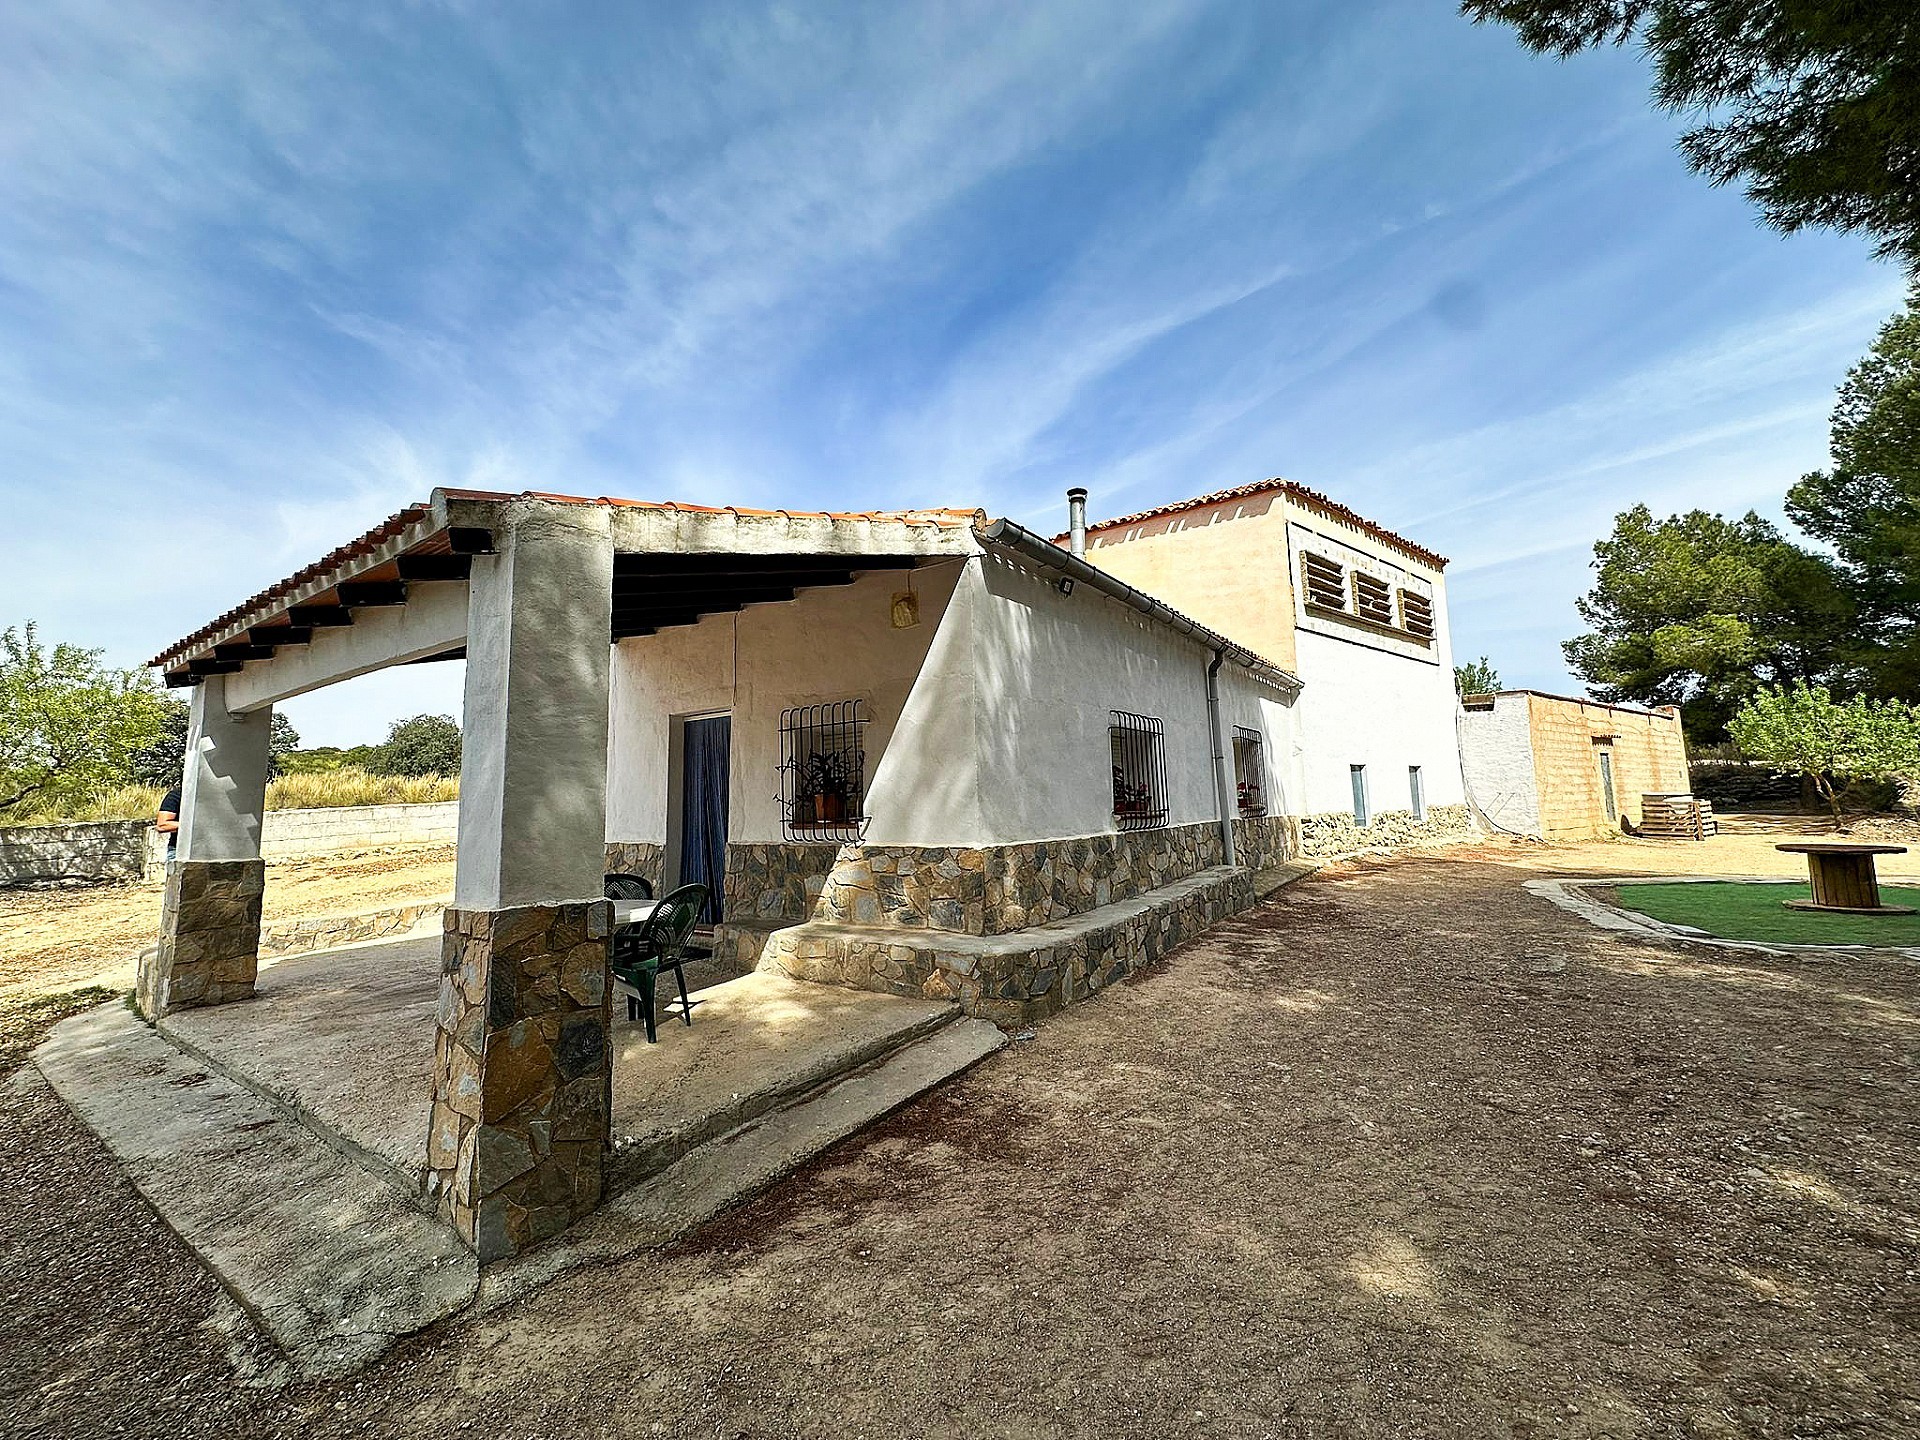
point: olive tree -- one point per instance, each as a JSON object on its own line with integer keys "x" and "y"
{"x": 69, "y": 725}
{"x": 420, "y": 745}
{"x": 1803, "y": 730}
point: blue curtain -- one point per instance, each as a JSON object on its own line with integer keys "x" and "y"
{"x": 703, "y": 814}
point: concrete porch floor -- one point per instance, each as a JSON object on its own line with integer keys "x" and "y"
{"x": 344, "y": 1040}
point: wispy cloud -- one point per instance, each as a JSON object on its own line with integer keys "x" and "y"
{"x": 269, "y": 272}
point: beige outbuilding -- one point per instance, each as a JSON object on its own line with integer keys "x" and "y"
{"x": 1558, "y": 768}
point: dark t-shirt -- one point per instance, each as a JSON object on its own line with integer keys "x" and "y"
{"x": 170, "y": 802}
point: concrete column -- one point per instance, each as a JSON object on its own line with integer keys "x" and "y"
{"x": 522, "y": 1091}
{"x": 210, "y": 914}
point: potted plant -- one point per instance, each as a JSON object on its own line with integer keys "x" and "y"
{"x": 1129, "y": 799}
{"x": 823, "y": 782}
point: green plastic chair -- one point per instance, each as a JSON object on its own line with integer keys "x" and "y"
{"x": 659, "y": 942}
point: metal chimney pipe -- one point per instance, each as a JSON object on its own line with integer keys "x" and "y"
{"x": 1077, "y": 522}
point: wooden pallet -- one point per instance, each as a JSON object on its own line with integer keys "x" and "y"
{"x": 1676, "y": 817}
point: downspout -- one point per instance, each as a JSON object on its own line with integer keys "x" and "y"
{"x": 1223, "y": 791}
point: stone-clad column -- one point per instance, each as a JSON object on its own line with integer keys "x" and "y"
{"x": 210, "y": 914}
{"x": 523, "y": 1081}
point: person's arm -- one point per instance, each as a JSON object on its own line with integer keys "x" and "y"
{"x": 167, "y": 821}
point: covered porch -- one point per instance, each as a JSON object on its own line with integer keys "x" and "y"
{"x": 345, "y": 1039}
{"x": 491, "y": 1071}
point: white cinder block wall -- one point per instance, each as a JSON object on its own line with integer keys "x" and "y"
{"x": 1496, "y": 756}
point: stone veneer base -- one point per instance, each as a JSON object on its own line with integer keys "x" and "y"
{"x": 1323, "y": 837}
{"x": 638, "y": 857}
{"x": 522, "y": 1093}
{"x": 1009, "y": 979}
{"x": 209, "y": 950}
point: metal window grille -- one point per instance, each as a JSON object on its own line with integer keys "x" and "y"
{"x": 1250, "y": 770}
{"x": 1325, "y": 581}
{"x": 823, "y": 772}
{"x": 1138, "y": 743}
{"x": 1372, "y": 598}
{"x": 1416, "y": 614}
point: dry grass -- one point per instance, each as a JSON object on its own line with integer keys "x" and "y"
{"x": 318, "y": 791}
{"x": 357, "y": 787}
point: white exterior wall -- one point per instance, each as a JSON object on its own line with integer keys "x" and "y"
{"x": 1496, "y": 757}
{"x": 827, "y": 644}
{"x": 988, "y": 719}
{"x": 1053, "y": 666}
{"x": 1372, "y": 699}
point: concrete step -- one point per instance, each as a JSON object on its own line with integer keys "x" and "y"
{"x": 332, "y": 1261}
{"x": 741, "y": 1060}
{"x": 726, "y": 1171}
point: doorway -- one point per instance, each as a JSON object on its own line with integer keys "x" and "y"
{"x": 706, "y": 745}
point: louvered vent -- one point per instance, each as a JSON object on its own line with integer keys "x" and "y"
{"x": 1416, "y": 613}
{"x": 1326, "y": 582}
{"x": 1372, "y": 598}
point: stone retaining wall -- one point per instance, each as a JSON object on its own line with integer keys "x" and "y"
{"x": 1011, "y": 984}
{"x": 1325, "y": 836}
{"x": 989, "y": 890}
{"x": 298, "y": 937}
{"x": 92, "y": 853}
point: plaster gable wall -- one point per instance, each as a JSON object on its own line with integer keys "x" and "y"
{"x": 1225, "y": 565}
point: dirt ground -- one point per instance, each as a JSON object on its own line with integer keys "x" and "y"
{"x": 1405, "y": 1152}
{"x": 54, "y": 939}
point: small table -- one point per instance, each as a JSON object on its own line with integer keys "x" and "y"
{"x": 1842, "y": 877}
{"x": 632, "y": 912}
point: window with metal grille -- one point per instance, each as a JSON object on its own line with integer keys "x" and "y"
{"x": 1325, "y": 581}
{"x": 1362, "y": 801}
{"x": 1138, "y": 743}
{"x": 1416, "y": 615}
{"x": 1250, "y": 771}
{"x": 1372, "y": 598}
{"x": 823, "y": 771}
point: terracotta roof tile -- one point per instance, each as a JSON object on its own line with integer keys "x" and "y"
{"x": 413, "y": 514}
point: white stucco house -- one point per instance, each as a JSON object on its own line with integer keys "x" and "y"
{"x": 925, "y": 753}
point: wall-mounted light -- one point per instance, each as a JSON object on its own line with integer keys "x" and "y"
{"x": 1064, "y": 584}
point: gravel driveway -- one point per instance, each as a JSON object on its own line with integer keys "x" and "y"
{"x": 1406, "y": 1152}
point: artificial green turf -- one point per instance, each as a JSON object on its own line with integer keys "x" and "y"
{"x": 1735, "y": 910}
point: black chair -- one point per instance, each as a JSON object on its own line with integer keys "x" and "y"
{"x": 627, "y": 887}
{"x": 659, "y": 942}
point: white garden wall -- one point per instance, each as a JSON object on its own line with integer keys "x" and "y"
{"x": 127, "y": 849}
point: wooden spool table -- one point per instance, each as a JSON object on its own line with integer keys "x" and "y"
{"x": 1842, "y": 877}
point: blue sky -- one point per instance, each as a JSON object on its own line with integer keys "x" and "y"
{"x": 269, "y": 272}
